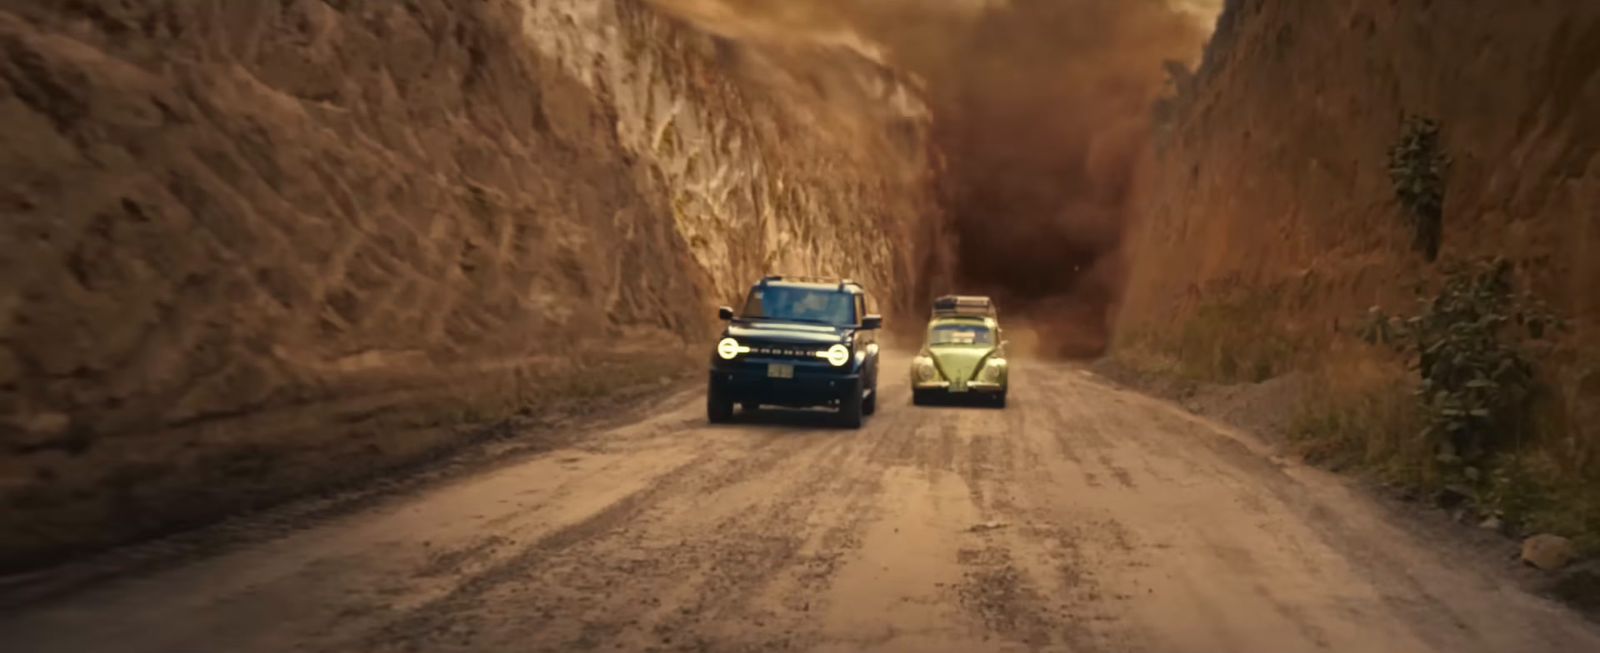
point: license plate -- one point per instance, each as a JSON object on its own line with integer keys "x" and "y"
{"x": 958, "y": 386}
{"x": 779, "y": 371}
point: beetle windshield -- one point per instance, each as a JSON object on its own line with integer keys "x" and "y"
{"x": 802, "y": 305}
{"x": 961, "y": 334}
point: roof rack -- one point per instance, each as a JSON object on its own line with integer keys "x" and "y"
{"x": 976, "y": 305}
{"x": 826, "y": 281}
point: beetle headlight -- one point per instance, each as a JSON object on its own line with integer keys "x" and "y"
{"x": 730, "y": 349}
{"x": 992, "y": 369}
{"x": 837, "y": 355}
{"x": 922, "y": 367}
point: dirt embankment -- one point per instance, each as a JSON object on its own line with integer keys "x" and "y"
{"x": 1267, "y": 222}
{"x": 253, "y": 248}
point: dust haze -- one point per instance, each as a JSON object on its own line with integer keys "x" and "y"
{"x": 1041, "y": 109}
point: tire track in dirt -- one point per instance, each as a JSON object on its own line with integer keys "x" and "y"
{"x": 1063, "y": 541}
{"x": 848, "y": 487}
{"x": 706, "y": 565}
{"x": 443, "y": 616}
{"x": 1081, "y": 518}
{"x": 1173, "y": 455}
{"x": 1264, "y": 488}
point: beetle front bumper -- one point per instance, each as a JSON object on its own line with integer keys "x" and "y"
{"x": 971, "y": 387}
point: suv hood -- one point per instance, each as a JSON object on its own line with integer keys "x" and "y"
{"x": 788, "y": 333}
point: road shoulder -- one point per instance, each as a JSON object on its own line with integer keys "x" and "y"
{"x": 1260, "y": 414}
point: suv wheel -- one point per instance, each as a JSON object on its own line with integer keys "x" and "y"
{"x": 719, "y": 408}
{"x": 870, "y": 404}
{"x": 851, "y": 407}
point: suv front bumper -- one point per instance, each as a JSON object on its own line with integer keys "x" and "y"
{"x": 810, "y": 386}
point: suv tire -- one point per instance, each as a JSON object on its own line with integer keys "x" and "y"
{"x": 851, "y": 407}
{"x": 719, "y": 409}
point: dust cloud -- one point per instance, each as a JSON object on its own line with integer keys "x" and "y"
{"x": 1041, "y": 111}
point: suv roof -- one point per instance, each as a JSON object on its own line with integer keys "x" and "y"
{"x": 842, "y": 285}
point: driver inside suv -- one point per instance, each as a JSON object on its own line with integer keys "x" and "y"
{"x": 803, "y": 304}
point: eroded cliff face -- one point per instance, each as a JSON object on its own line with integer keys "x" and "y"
{"x": 253, "y": 248}
{"x": 1268, "y": 223}
{"x": 1040, "y": 111}
{"x": 816, "y": 161}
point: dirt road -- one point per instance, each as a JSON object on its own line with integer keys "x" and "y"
{"x": 1081, "y": 518}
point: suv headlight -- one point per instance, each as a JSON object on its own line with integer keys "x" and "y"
{"x": 837, "y": 355}
{"x": 729, "y": 349}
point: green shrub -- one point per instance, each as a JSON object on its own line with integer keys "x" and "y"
{"x": 1533, "y": 495}
{"x": 1468, "y": 342}
{"x": 1418, "y": 167}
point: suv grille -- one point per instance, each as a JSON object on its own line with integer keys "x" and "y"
{"x": 785, "y": 352}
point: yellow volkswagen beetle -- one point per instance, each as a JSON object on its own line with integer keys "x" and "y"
{"x": 963, "y": 355}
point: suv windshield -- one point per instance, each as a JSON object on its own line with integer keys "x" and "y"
{"x": 801, "y": 304}
{"x": 960, "y": 334}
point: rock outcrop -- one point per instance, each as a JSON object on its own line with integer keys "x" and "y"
{"x": 254, "y": 248}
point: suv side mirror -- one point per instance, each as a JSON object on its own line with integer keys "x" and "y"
{"x": 725, "y": 313}
{"x": 872, "y": 322}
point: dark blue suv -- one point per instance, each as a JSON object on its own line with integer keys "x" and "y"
{"x": 798, "y": 343}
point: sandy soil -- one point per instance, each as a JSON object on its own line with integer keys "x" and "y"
{"x": 1082, "y": 518}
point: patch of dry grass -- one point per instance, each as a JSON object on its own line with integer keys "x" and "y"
{"x": 1365, "y": 419}
{"x": 1535, "y": 492}
{"x": 1364, "y": 416}
{"x": 1229, "y": 340}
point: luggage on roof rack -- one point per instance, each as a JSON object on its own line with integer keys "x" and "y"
{"x": 977, "y": 305}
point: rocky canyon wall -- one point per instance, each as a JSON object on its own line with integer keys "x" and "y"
{"x": 254, "y": 248}
{"x": 1040, "y": 110}
{"x": 1268, "y": 223}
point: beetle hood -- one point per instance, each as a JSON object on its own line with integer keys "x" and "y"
{"x": 959, "y": 361}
